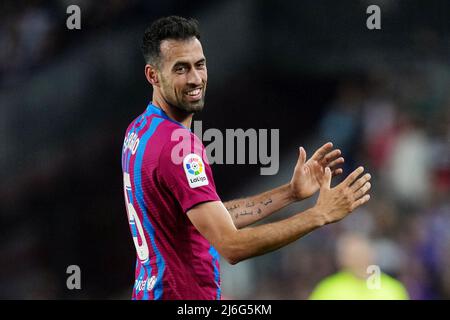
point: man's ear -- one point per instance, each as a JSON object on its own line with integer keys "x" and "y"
{"x": 151, "y": 74}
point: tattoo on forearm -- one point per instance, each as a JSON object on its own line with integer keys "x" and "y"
{"x": 249, "y": 204}
{"x": 231, "y": 208}
{"x": 243, "y": 213}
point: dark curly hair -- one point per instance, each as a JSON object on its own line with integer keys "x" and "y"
{"x": 172, "y": 27}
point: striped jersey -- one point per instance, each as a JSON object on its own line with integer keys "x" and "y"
{"x": 166, "y": 173}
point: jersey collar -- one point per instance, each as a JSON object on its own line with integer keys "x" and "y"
{"x": 152, "y": 109}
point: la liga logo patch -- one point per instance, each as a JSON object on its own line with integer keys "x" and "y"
{"x": 194, "y": 166}
{"x": 195, "y": 170}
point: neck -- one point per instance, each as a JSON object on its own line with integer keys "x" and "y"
{"x": 174, "y": 113}
{"x": 359, "y": 272}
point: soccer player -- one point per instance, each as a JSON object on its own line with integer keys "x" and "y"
{"x": 178, "y": 223}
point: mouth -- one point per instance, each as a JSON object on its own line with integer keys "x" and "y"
{"x": 194, "y": 94}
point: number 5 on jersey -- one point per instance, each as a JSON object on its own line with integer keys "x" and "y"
{"x": 135, "y": 223}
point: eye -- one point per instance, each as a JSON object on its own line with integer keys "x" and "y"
{"x": 180, "y": 69}
{"x": 201, "y": 65}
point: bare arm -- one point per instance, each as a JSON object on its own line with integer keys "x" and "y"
{"x": 246, "y": 211}
{"x": 304, "y": 183}
{"x": 215, "y": 224}
{"x": 213, "y": 221}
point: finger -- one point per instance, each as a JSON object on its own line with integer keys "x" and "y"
{"x": 360, "y": 202}
{"x": 322, "y": 151}
{"x": 330, "y": 156}
{"x": 326, "y": 179}
{"x": 302, "y": 156}
{"x": 317, "y": 168}
{"x": 336, "y": 162}
{"x": 352, "y": 176}
{"x": 337, "y": 172}
{"x": 362, "y": 191}
{"x": 360, "y": 182}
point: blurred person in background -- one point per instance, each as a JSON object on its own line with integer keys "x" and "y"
{"x": 354, "y": 255}
{"x": 342, "y": 120}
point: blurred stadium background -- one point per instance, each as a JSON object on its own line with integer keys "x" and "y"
{"x": 310, "y": 68}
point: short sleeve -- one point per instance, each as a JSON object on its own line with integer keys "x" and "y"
{"x": 184, "y": 169}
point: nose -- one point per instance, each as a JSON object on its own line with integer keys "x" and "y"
{"x": 194, "y": 77}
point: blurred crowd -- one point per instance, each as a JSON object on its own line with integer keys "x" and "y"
{"x": 397, "y": 124}
{"x": 33, "y": 32}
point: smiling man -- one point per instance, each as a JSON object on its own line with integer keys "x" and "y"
{"x": 178, "y": 223}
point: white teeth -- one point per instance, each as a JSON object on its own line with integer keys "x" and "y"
{"x": 194, "y": 92}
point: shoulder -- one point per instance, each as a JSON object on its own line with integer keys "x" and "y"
{"x": 328, "y": 288}
{"x": 175, "y": 144}
{"x": 336, "y": 280}
{"x": 180, "y": 141}
{"x": 333, "y": 280}
{"x": 394, "y": 286}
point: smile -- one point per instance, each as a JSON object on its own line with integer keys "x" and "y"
{"x": 194, "y": 93}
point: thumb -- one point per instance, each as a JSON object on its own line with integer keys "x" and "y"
{"x": 326, "y": 180}
{"x": 302, "y": 156}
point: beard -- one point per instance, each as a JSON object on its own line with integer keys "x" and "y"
{"x": 183, "y": 105}
{"x": 191, "y": 106}
{"x": 179, "y": 100}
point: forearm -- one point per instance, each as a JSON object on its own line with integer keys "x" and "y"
{"x": 255, "y": 241}
{"x": 252, "y": 209}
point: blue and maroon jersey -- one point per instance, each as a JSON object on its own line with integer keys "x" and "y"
{"x": 166, "y": 173}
